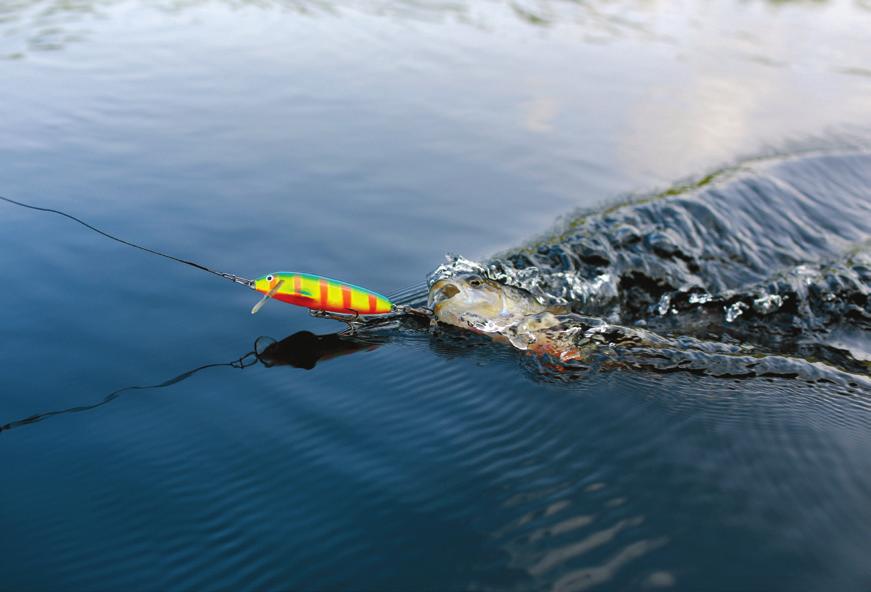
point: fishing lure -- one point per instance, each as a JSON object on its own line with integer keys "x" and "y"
{"x": 323, "y": 296}
{"x": 320, "y": 293}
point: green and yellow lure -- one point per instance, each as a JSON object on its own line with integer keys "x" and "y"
{"x": 320, "y": 293}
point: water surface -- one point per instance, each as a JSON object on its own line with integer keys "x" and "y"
{"x": 363, "y": 141}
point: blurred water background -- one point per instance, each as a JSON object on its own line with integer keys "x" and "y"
{"x": 363, "y": 141}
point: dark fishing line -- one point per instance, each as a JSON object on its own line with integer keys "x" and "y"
{"x": 400, "y": 309}
{"x": 233, "y": 278}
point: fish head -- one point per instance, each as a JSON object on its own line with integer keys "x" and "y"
{"x": 471, "y": 301}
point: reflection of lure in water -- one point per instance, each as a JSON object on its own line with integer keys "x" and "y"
{"x": 304, "y": 349}
{"x": 471, "y": 302}
{"x": 300, "y": 350}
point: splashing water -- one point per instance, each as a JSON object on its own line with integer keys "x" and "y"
{"x": 786, "y": 274}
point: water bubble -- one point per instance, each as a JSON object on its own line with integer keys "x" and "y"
{"x": 664, "y": 304}
{"x": 697, "y": 298}
{"x": 734, "y": 311}
{"x": 767, "y": 303}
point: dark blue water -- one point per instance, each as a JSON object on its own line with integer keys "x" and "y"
{"x": 363, "y": 142}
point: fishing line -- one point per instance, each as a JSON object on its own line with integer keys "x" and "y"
{"x": 233, "y": 278}
{"x": 324, "y": 297}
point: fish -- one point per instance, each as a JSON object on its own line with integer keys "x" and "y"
{"x": 466, "y": 299}
{"x": 514, "y": 316}
{"x": 561, "y": 339}
{"x": 507, "y": 313}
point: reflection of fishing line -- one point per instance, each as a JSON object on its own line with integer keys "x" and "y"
{"x": 242, "y": 363}
{"x": 300, "y": 350}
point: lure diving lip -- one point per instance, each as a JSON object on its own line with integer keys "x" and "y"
{"x": 320, "y": 293}
{"x": 268, "y": 295}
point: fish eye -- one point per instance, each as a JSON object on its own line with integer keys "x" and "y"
{"x": 269, "y": 278}
{"x": 476, "y": 282}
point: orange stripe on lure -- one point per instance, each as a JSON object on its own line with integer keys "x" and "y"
{"x": 316, "y": 292}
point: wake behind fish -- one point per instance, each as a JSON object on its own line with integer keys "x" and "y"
{"x": 762, "y": 270}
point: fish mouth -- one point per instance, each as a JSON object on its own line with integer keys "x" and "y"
{"x": 442, "y": 290}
